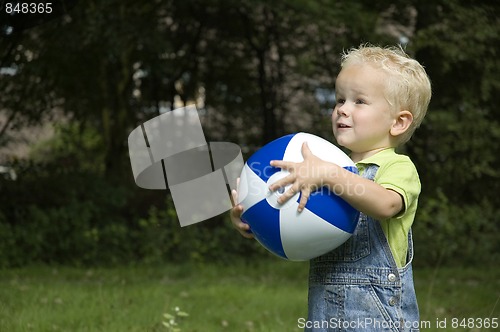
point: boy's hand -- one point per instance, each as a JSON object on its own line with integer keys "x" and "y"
{"x": 306, "y": 176}
{"x": 235, "y": 215}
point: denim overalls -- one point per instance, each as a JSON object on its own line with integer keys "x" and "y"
{"x": 358, "y": 287}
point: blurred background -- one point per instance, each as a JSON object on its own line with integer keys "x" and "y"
{"x": 76, "y": 81}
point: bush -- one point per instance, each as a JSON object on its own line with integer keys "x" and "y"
{"x": 83, "y": 219}
{"x": 61, "y": 219}
{"x": 215, "y": 240}
{"x": 450, "y": 234}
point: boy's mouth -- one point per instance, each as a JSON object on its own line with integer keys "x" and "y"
{"x": 342, "y": 125}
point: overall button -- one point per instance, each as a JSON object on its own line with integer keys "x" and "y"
{"x": 393, "y": 301}
{"x": 391, "y": 277}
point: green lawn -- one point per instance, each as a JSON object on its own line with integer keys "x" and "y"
{"x": 271, "y": 296}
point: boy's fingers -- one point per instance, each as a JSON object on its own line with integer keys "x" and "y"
{"x": 282, "y": 164}
{"x": 290, "y": 178}
{"x": 288, "y": 194}
{"x": 305, "y": 150}
{"x": 306, "y": 192}
{"x": 234, "y": 193}
{"x": 243, "y": 228}
{"x": 237, "y": 211}
{"x": 235, "y": 214}
{"x": 246, "y": 234}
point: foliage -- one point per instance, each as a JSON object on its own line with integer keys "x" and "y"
{"x": 69, "y": 149}
{"x": 257, "y": 70}
{"x": 82, "y": 219}
{"x": 454, "y": 149}
{"x": 448, "y": 234}
{"x": 71, "y": 218}
{"x": 64, "y": 210}
{"x": 214, "y": 240}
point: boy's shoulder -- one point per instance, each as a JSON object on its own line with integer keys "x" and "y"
{"x": 393, "y": 167}
{"x": 386, "y": 158}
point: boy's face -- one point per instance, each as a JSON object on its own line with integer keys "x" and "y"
{"x": 362, "y": 117}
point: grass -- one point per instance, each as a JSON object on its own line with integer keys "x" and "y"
{"x": 458, "y": 293}
{"x": 270, "y": 296}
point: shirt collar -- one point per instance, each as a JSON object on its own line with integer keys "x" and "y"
{"x": 378, "y": 157}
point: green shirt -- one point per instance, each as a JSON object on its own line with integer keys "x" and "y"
{"x": 396, "y": 172}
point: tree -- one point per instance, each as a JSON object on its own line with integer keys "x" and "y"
{"x": 454, "y": 149}
{"x": 257, "y": 70}
{"x": 454, "y": 145}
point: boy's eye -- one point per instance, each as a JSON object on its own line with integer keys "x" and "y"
{"x": 340, "y": 101}
{"x": 360, "y": 101}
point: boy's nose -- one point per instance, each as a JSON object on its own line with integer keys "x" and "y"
{"x": 341, "y": 111}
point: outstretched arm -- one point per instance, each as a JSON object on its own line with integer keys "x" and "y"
{"x": 313, "y": 173}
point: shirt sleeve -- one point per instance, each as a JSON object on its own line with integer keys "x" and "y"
{"x": 402, "y": 177}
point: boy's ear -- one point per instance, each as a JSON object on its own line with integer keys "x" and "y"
{"x": 401, "y": 123}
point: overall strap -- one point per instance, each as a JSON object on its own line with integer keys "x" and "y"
{"x": 370, "y": 172}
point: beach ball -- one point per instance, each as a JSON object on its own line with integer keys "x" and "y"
{"x": 326, "y": 222}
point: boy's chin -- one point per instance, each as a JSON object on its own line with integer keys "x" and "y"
{"x": 342, "y": 143}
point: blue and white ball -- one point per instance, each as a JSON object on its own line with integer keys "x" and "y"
{"x": 327, "y": 220}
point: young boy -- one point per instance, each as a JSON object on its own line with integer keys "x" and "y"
{"x": 367, "y": 283}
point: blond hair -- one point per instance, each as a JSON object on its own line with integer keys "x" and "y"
{"x": 407, "y": 86}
